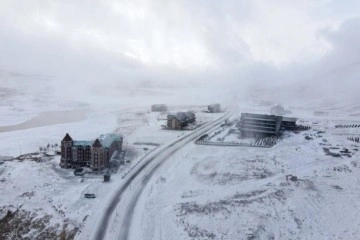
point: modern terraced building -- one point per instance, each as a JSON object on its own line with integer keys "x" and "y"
{"x": 259, "y": 125}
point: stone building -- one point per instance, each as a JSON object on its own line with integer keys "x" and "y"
{"x": 94, "y": 154}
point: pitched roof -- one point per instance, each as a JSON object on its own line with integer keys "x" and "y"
{"x": 107, "y": 139}
{"x": 180, "y": 116}
{"x": 67, "y": 138}
{"x": 97, "y": 143}
{"x": 82, "y": 143}
{"x": 289, "y": 119}
{"x": 189, "y": 115}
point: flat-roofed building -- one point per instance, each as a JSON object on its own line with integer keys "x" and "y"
{"x": 256, "y": 125}
{"x": 159, "y": 108}
{"x": 289, "y": 123}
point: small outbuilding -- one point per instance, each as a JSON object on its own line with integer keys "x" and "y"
{"x": 214, "y": 108}
{"x": 107, "y": 177}
{"x": 159, "y": 108}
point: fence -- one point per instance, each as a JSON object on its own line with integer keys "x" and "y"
{"x": 300, "y": 128}
{"x": 347, "y": 126}
{"x": 354, "y": 139}
{"x": 266, "y": 142}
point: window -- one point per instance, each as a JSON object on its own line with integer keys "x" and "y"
{"x": 80, "y": 153}
{"x": 87, "y": 153}
{"x": 68, "y": 152}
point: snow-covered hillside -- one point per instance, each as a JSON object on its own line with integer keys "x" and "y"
{"x": 202, "y": 192}
{"x": 39, "y": 200}
{"x": 207, "y": 192}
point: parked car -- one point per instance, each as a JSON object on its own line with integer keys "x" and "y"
{"x": 89, "y": 195}
{"x": 79, "y": 172}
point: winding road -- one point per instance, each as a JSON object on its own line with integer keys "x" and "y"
{"x": 131, "y": 189}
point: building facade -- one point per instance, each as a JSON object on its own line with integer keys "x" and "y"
{"x": 159, "y": 108}
{"x": 180, "y": 119}
{"x": 259, "y": 125}
{"x": 94, "y": 154}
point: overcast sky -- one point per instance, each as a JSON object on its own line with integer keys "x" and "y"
{"x": 149, "y": 42}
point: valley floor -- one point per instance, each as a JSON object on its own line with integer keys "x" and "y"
{"x": 202, "y": 192}
{"x": 208, "y": 192}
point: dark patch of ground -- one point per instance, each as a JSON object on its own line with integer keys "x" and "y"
{"x": 237, "y": 200}
{"x": 22, "y": 224}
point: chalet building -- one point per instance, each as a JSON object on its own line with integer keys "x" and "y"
{"x": 259, "y": 125}
{"x": 214, "y": 108}
{"x": 176, "y": 121}
{"x": 180, "y": 119}
{"x": 94, "y": 154}
{"x": 190, "y": 117}
{"x": 159, "y": 108}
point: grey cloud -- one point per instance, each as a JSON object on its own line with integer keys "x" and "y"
{"x": 172, "y": 43}
{"x": 334, "y": 77}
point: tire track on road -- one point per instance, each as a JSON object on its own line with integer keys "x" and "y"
{"x": 164, "y": 154}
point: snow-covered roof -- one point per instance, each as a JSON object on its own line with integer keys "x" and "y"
{"x": 180, "y": 116}
{"x": 97, "y": 144}
{"x": 67, "y": 138}
{"x": 107, "y": 139}
{"x": 289, "y": 119}
{"x": 82, "y": 143}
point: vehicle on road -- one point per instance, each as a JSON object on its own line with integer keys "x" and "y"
{"x": 89, "y": 195}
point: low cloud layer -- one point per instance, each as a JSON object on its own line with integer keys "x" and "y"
{"x": 247, "y": 44}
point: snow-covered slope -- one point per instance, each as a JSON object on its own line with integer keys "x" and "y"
{"x": 242, "y": 193}
{"x": 202, "y": 192}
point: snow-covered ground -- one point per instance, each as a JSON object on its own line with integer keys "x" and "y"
{"x": 50, "y": 200}
{"x": 202, "y": 192}
{"x": 207, "y": 192}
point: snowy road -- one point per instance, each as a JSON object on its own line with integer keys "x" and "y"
{"x": 128, "y": 194}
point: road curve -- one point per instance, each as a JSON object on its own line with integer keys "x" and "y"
{"x": 161, "y": 156}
